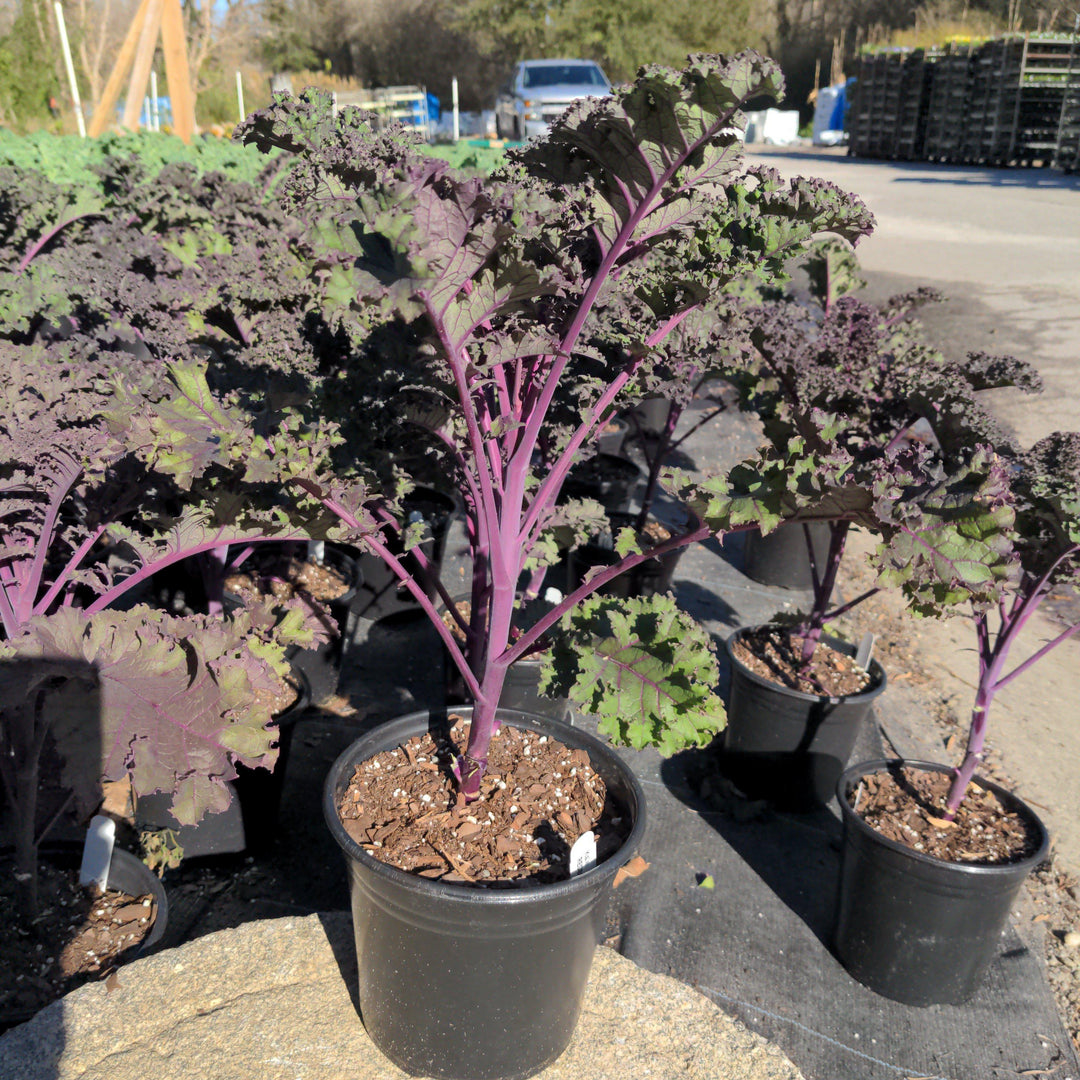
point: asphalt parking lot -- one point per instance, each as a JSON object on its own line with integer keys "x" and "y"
{"x": 1002, "y": 244}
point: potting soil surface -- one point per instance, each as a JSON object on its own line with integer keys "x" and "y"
{"x": 738, "y": 899}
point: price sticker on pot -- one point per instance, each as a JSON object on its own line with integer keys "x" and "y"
{"x": 97, "y": 851}
{"x": 583, "y": 853}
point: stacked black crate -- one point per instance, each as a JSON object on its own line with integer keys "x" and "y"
{"x": 984, "y": 105}
{"x": 1042, "y": 83}
{"x": 869, "y": 104}
{"x": 945, "y": 117}
{"x": 1067, "y": 147}
{"x": 915, "y": 89}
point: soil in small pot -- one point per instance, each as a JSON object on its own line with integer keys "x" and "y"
{"x": 285, "y": 577}
{"x": 537, "y": 797}
{"x": 775, "y": 654}
{"x": 77, "y": 938}
{"x": 284, "y": 698}
{"x": 907, "y": 805}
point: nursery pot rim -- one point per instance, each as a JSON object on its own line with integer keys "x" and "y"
{"x": 468, "y": 894}
{"x": 877, "y": 672}
{"x": 877, "y": 765}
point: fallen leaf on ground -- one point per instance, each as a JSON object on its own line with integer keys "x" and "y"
{"x": 634, "y": 868}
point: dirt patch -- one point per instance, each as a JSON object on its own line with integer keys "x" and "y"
{"x": 537, "y": 797}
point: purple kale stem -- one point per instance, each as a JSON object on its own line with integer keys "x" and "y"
{"x": 676, "y": 443}
{"x": 43, "y": 605}
{"x": 243, "y": 557}
{"x": 655, "y": 462}
{"x": 815, "y": 575}
{"x": 212, "y": 568}
{"x": 529, "y": 638}
{"x": 1053, "y": 643}
{"x": 34, "y": 249}
{"x": 31, "y": 583}
{"x": 424, "y": 568}
{"x": 551, "y": 485}
{"x": 843, "y": 609}
{"x": 838, "y": 531}
{"x": 149, "y": 569}
{"x": 900, "y": 434}
{"x": 418, "y": 593}
{"x": 607, "y": 263}
{"x": 7, "y": 609}
{"x": 990, "y": 661}
{"x": 486, "y": 508}
{"x": 1030, "y": 594}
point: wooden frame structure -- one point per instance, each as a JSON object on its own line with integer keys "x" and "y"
{"x": 137, "y": 55}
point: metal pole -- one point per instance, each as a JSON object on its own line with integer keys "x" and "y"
{"x": 457, "y": 121}
{"x": 240, "y": 96}
{"x": 155, "y": 112}
{"x": 70, "y": 68}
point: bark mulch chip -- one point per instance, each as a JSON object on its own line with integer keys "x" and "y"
{"x": 537, "y": 797}
{"x": 907, "y": 805}
{"x": 775, "y": 654}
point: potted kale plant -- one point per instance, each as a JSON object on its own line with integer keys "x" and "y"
{"x": 854, "y": 386}
{"x": 474, "y": 932}
{"x": 922, "y": 905}
{"x": 102, "y": 686}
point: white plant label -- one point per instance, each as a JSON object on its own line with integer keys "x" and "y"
{"x": 97, "y": 852}
{"x": 865, "y": 651}
{"x": 583, "y": 853}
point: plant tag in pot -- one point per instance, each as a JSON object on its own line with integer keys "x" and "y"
{"x": 865, "y": 651}
{"x": 583, "y": 853}
{"x": 97, "y": 852}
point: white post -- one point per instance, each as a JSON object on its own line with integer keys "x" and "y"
{"x": 149, "y": 110}
{"x": 155, "y": 112}
{"x": 70, "y": 68}
{"x": 240, "y": 96}
{"x": 457, "y": 123}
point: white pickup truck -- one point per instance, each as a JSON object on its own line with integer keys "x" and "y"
{"x": 540, "y": 90}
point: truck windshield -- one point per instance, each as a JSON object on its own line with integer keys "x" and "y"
{"x": 564, "y": 75}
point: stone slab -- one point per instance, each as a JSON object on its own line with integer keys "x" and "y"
{"x": 273, "y": 1000}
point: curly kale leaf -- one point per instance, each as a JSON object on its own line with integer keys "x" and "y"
{"x": 175, "y": 705}
{"x": 646, "y": 669}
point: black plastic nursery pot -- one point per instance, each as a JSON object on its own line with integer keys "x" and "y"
{"x": 250, "y": 819}
{"x": 258, "y": 791}
{"x": 914, "y": 928}
{"x": 646, "y": 579}
{"x": 612, "y": 436}
{"x": 610, "y": 480}
{"x": 465, "y": 983}
{"x": 652, "y": 415}
{"x": 131, "y": 875}
{"x": 786, "y": 746}
{"x": 521, "y": 691}
{"x": 382, "y": 592}
{"x": 321, "y": 666}
{"x": 780, "y": 557}
{"x": 127, "y": 874}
